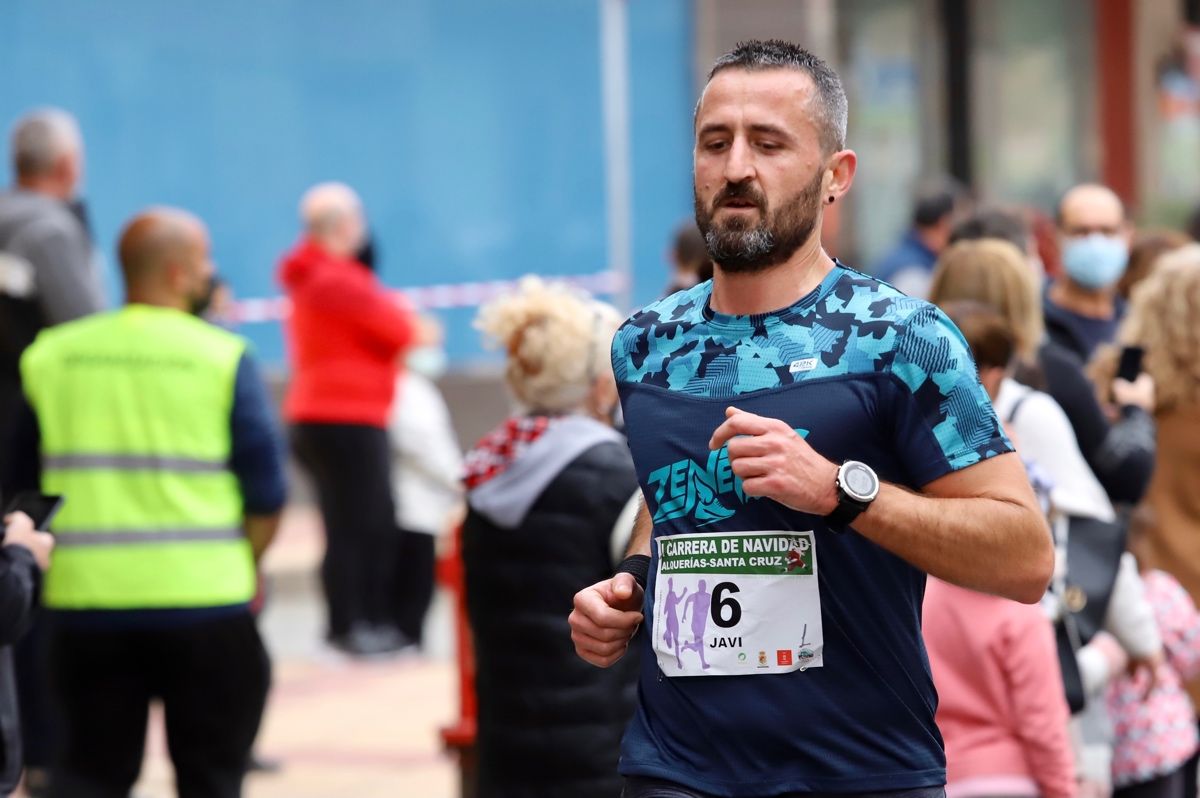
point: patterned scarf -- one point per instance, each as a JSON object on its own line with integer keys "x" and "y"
{"x": 501, "y": 447}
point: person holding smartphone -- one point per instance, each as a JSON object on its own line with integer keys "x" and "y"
{"x": 24, "y": 554}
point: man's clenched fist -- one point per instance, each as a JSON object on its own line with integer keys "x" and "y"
{"x": 605, "y": 617}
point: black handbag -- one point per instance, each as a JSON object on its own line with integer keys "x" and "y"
{"x": 1094, "y": 550}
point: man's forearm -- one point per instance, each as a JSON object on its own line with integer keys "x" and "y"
{"x": 639, "y": 541}
{"x": 260, "y": 531}
{"x": 993, "y": 545}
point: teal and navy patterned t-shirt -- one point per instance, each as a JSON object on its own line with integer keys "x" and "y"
{"x": 864, "y": 373}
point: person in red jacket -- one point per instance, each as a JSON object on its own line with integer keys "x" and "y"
{"x": 345, "y": 336}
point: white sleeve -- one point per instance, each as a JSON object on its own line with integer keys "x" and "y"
{"x": 1130, "y": 617}
{"x": 1045, "y": 435}
{"x": 622, "y": 530}
{"x": 1093, "y": 670}
{"x": 423, "y": 434}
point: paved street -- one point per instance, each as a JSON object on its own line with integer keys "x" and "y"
{"x": 341, "y": 728}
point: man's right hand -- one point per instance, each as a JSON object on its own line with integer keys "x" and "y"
{"x": 604, "y": 619}
{"x": 19, "y": 531}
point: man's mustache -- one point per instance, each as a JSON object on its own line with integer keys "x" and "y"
{"x": 745, "y": 192}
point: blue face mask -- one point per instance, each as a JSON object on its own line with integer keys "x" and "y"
{"x": 1095, "y": 261}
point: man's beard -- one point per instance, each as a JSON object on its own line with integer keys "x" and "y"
{"x": 736, "y": 247}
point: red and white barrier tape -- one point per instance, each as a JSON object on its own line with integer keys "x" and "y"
{"x": 430, "y": 297}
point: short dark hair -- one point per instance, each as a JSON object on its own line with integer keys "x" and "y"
{"x": 936, "y": 199}
{"x": 1005, "y": 224}
{"x": 832, "y": 107}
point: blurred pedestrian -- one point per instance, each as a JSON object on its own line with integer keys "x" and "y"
{"x": 1001, "y": 708}
{"x": 1162, "y": 321}
{"x": 1153, "y": 717}
{"x": 909, "y": 265}
{"x": 24, "y": 554}
{"x": 345, "y": 338}
{"x": 544, "y": 492}
{"x": 48, "y": 273}
{"x": 427, "y": 475}
{"x": 157, "y": 427}
{"x": 690, "y": 263}
{"x": 1083, "y": 307}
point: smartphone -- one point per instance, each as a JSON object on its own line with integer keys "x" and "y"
{"x": 40, "y": 507}
{"x": 1131, "y": 363}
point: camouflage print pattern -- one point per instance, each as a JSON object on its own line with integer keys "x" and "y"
{"x": 853, "y": 324}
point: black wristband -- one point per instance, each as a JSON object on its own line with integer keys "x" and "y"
{"x": 638, "y": 565}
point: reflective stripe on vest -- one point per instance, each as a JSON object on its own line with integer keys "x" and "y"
{"x": 132, "y": 462}
{"x": 116, "y": 537}
{"x": 134, "y": 409}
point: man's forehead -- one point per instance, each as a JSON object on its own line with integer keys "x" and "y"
{"x": 1090, "y": 203}
{"x": 781, "y": 90}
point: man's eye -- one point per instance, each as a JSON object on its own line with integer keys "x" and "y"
{"x": 715, "y": 146}
{"x": 768, "y": 145}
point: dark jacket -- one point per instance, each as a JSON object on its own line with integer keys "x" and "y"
{"x": 18, "y": 589}
{"x": 550, "y": 724}
{"x": 1121, "y": 454}
{"x": 1080, "y": 334}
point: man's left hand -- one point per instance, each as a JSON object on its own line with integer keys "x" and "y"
{"x": 774, "y": 462}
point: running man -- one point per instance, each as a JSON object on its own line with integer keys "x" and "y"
{"x": 831, "y": 415}
{"x": 699, "y": 603}
{"x": 671, "y": 603}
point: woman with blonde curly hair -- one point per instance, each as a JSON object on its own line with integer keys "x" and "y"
{"x": 1162, "y": 320}
{"x": 544, "y": 493}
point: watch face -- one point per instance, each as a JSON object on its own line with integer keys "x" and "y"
{"x": 860, "y": 482}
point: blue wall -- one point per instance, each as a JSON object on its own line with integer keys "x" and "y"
{"x": 472, "y": 128}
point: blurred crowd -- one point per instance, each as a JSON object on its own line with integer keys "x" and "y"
{"x": 153, "y": 421}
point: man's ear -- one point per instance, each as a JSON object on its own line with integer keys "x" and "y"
{"x": 842, "y": 168}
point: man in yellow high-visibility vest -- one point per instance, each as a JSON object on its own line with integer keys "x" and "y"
{"x": 156, "y": 427}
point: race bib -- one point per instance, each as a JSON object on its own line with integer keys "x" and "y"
{"x": 737, "y": 604}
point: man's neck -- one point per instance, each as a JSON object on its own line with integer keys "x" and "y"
{"x": 329, "y": 248}
{"x": 49, "y": 188}
{"x": 933, "y": 239}
{"x": 1069, "y": 295}
{"x": 155, "y": 299}
{"x": 746, "y": 293}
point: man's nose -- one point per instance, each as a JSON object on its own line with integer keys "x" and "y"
{"x": 739, "y": 165}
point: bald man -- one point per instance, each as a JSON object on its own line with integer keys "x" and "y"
{"x": 156, "y": 428}
{"x": 345, "y": 337}
{"x": 1082, "y": 307}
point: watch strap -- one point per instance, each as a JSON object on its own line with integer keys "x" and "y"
{"x": 847, "y": 510}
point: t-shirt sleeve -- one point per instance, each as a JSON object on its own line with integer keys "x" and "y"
{"x": 944, "y": 420}
{"x": 257, "y": 447}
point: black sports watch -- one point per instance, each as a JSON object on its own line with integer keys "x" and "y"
{"x": 857, "y": 487}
